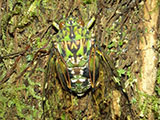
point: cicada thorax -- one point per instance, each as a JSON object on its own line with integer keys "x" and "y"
{"x": 77, "y": 64}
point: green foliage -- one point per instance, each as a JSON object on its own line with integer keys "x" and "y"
{"x": 121, "y": 72}
{"x": 20, "y": 98}
{"x": 150, "y": 103}
{"x": 88, "y": 1}
{"x": 157, "y": 88}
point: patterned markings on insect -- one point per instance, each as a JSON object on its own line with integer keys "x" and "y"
{"x": 78, "y": 62}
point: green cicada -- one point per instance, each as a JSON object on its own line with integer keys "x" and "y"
{"x": 75, "y": 60}
{"x": 76, "y": 57}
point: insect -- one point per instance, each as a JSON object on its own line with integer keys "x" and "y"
{"x": 76, "y": 61}
{"x": 76, "y": 57}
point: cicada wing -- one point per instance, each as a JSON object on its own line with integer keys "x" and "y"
{"x": 116, "y": 78}
{"x": 49, "y": 83}
{"x": 53, "y": 94}
{"x": 111, "y": 71}
{"x": 63, "y": 73}
{"x": 107, "y": 63}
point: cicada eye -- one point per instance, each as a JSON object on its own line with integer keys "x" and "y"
{"x": 61, "y": 25}
{"x": 80, "y": 22}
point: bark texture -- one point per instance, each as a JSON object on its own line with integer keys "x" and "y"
{"x": 148, "y": 42}
{"x": 148, "y": 53}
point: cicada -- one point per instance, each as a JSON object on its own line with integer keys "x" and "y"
{"x": 76, "y": 60}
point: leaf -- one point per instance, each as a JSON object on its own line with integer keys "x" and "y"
{"x": 121, "y": 72}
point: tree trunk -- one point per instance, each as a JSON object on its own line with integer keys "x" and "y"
{"x": 147, "y": 44}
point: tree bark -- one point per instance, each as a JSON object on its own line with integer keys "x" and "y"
{"x": 147, "y": 44}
